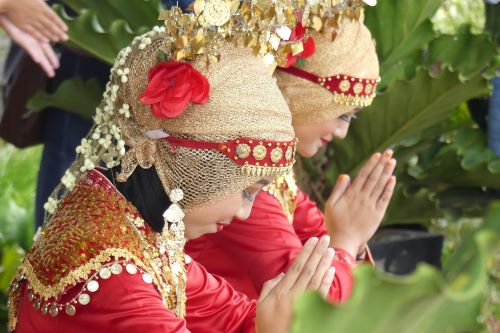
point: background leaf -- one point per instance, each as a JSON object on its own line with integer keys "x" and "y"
{"x": 72, "y": 95}
{"x": 426, "y": 301}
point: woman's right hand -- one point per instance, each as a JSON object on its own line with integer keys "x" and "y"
{"x": 311, "y": 270}
{"x": 353, "y": 211}
{"x": 36, "y": 18}
{"x": 41, "y": 52}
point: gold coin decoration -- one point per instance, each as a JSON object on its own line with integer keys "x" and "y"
{"x": 289, "y": 153}
{"x": 70, "y": 310}
{"x": 344, "y": 85}
{"x": 276, "y": 154}
{"x": 53, "y": 310}
{"x": 259, "y": 152}
{"x": 105, "y": 273}
{"x": 84, "y": 299}
{"x": 368, "y": 88}
{"x": 216, "y": 13}
{"x": 358, "y": 88}
{"x": 243, "y": 150}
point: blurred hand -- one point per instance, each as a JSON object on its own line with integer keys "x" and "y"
{"x": 353, "y": 212}
{"x": 41, "y": 52}
{"x": 36, "y": 18}
{"x": 310, "y": 271}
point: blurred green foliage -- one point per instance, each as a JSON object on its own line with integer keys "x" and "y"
{"x": 427, "y": 301}
{"x": 18, "y": 172}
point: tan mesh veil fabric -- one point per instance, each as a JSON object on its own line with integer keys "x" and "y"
{"x": 352, "y": 53}
{"x": 244, "y": 102}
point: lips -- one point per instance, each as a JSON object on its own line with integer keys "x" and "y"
{"x": 222, "y": 224}
{"x": 324, "y": 141}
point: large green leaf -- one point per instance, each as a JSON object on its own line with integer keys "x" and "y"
{"x": 412, "y": 205}
{"x": 424, "y": 302}
{"x": 461, "y": 160}
{"x": 18, "y": 172}
{"x": 72, "y": 95}
{"x": 87, "y": 34}
{"x": 493, "y": 21}
{"x": 137, "y": 13}
{"x": 448, "y": 50}
{"x": 11, "y": 258}
{"x": 466, "y": 255}
{"x": 402, "y": 112}
{"x": 400, "y": 28}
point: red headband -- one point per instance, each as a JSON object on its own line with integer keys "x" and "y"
{"x": 257, "y": 157}
{"x": 346, "y": 89}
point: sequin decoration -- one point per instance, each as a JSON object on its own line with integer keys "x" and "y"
{"x": 284, "y": 189}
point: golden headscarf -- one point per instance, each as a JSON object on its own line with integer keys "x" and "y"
{"x": 244, "y": 102}
{"x": 352, "y": 52}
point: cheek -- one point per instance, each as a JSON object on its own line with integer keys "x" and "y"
{"x": 222, "y": 210}
{"x": 307, "y": 149}
{"x": 307, "y": 134}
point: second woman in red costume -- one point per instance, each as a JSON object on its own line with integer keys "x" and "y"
{"x": 324, "y": 92}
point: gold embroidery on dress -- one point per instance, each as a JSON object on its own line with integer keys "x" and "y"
{"x": 94, "y": 235}
{"x": 284, "y": 189}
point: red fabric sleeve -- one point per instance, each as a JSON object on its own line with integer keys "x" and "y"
{"x": 248, "y": 253}
{"x": 308, "y": 219}
{"x": 214, "y": 306}
{"x": 125, "y": 303}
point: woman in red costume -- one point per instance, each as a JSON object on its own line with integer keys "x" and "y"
{"x": 324, "y": 93}
{"x": 172, "y": 134}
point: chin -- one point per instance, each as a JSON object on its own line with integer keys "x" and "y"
{"x": 307, "y": 151}
{"x": 193, "y": 234}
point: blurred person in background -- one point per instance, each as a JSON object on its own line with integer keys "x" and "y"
{"x": 493, "y": 26}
{"x": 33, "y": 25}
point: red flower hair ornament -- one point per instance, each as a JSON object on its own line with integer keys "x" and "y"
{"x": 172, "y": 86}
{"x": 298, "y": 33}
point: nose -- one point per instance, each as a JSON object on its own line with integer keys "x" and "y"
{"x": 340, "y": 131}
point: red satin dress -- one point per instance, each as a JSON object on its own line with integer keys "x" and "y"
{"x": 97, "y": 267}
{"x": 248, "y": 253}
{"x": 125, "y": 303}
